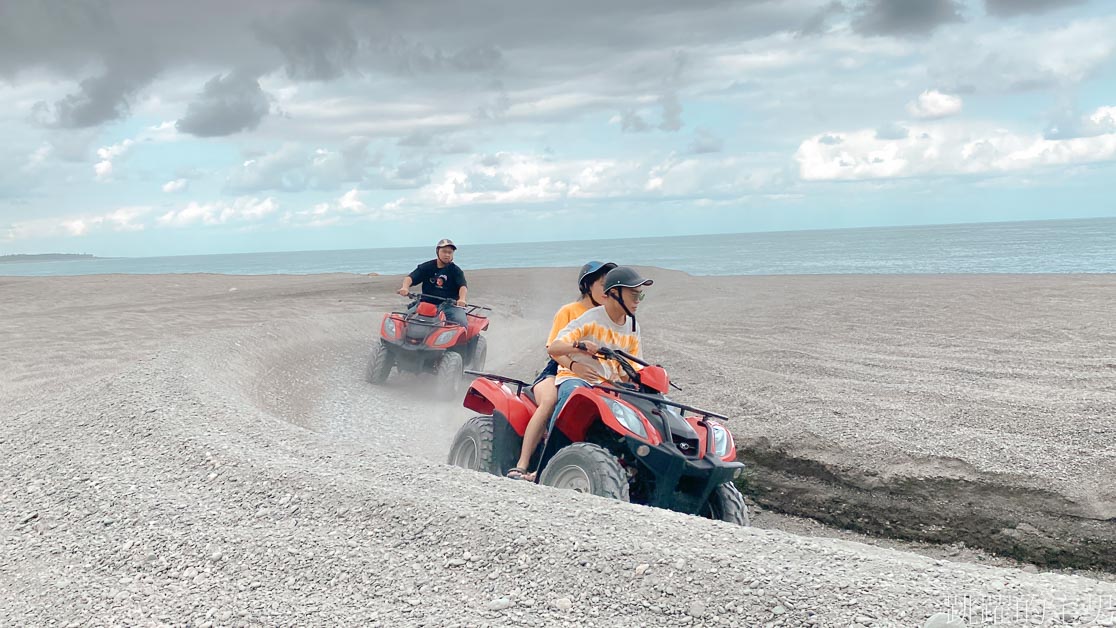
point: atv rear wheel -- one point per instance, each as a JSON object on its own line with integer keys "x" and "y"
{"x": 726, "y": 504}
{"x": 379, "y": 365}
{"x": 474, "y": 446}
{"x": 450, "y": 370}
{"x": 480, "y": 354}
{"x": 587, "y": 468}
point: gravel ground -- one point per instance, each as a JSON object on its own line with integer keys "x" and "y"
{"x": 202, "y": 450}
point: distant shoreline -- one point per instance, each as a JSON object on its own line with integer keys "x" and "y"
{"x": 45, "y": 257}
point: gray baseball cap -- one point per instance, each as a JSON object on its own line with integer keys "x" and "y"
{"x": 446, "y": 242}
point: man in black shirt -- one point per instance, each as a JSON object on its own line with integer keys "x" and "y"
{"x": 440, "y": 277}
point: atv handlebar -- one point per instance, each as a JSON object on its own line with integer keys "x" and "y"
{"x": 416, "y": 296}
{"x": 624, "y": 359}
{"x": 658, "y": 399}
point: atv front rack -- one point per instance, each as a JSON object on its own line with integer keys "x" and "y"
{"x": 660, "y": 399}
{"x": 470, "y": 309}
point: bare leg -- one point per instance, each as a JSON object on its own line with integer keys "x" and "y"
{"x": 546, "y": 395}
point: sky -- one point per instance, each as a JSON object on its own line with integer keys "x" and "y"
{"x": 143, "y": 128}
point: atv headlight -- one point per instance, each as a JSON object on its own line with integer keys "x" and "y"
{"x": 627, "y": 417}
{"x": 445, "y": 337}
{"x": 389, "y": 327}
{"x": 720, "y": 441}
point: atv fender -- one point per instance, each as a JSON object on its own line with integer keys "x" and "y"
{"x": 704, "y": 431}
{"x": 476, "y": 325}
{"x": 399, "y": 326}
{"x": 584, "y": 408}
{"x": 454, "y": 340}
{"x": 489, "y": 397}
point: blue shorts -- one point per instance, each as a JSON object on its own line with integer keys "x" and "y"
{"x": 550, "y": 370}
{"x": 565, "y": 389}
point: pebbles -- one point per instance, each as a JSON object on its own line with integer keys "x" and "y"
{"x": 338, "y": 520}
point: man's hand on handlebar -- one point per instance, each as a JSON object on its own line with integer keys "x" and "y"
{"x": 403, "y": 292}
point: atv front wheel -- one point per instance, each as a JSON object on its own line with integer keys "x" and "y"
{"x": 587, "y": 468}
{"x": 450, "y": 370}
{"x": 480, "y": 354}
{"x": 726, "y": 504}
{"x": 474, "y": 446}
{"x": 379, "y": 365}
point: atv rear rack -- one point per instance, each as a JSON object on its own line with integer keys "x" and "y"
{"x": 520, "y": 385}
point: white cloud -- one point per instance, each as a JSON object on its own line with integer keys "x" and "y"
{"x": 122, "y": 219}
{"x": 1013, "y": 58}
{"x": 346, "y": 207}
{"x": 176, "y": 185}
{"x": 38, "y": 157}
{"x": 944, "y": 149}
{"x": 517, "y": 179}
{"x": 1104, "y": 119}
{"x": 293, "y": 168}
{"x": 933, "y": 104}
{"x": 107, "y": 155}
{"x": 511, "y": 178}
{"x": 162, "y": 132}
{"x": 243, "y": 209}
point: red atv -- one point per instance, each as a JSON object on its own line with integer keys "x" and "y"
{"x": 625, "y": 441}
{"x": 420, "y": 340}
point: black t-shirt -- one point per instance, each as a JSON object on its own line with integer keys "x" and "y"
{"x": 438, "y": 282}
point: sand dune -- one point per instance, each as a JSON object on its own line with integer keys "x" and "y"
{"x": 203, "y": 449}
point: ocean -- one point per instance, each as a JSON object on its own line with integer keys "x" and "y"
{"x": 1048, "y": 246}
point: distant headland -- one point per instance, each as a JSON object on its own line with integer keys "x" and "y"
{"x": 45, "y": 257}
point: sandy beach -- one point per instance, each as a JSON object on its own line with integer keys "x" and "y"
{"x": 204, "y": 450}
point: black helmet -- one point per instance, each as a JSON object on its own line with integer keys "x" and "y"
{"x": 589, "y": 273}
{"x": 624, "y": 277}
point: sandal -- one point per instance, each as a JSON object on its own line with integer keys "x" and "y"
{"x": 519, "y": 473}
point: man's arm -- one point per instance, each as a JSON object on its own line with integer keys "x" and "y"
{"x": 406, "y": 286}
{"x": 418, "y": 275}
{"x": 575, "y": 355}
{"x": 463, "y": 290}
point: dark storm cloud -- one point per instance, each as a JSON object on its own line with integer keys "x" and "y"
{"x": 98, "y": 99}
{"x": 1011, "y": 8}
{"x": 316, "y": 45}
{"x": 53, "y": 34}
{"x": 64, "y": 36}
{"x": 905, "y": 17}
{"x": 317, "y": 39}
{"x": 113, "y": 50}
{"x": 228, "y": 104}
{"x": 818, "y": 22}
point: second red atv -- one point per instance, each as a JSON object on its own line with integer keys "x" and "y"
{"x": 626, "y": 442}
{"x": 421, "y": 340}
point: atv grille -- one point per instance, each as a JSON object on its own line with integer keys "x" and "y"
{"x": 688, "y": 446}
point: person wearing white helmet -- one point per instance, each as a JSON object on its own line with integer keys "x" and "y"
{"x": 440, "y": 277}
{"x": 590, "y": 282}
